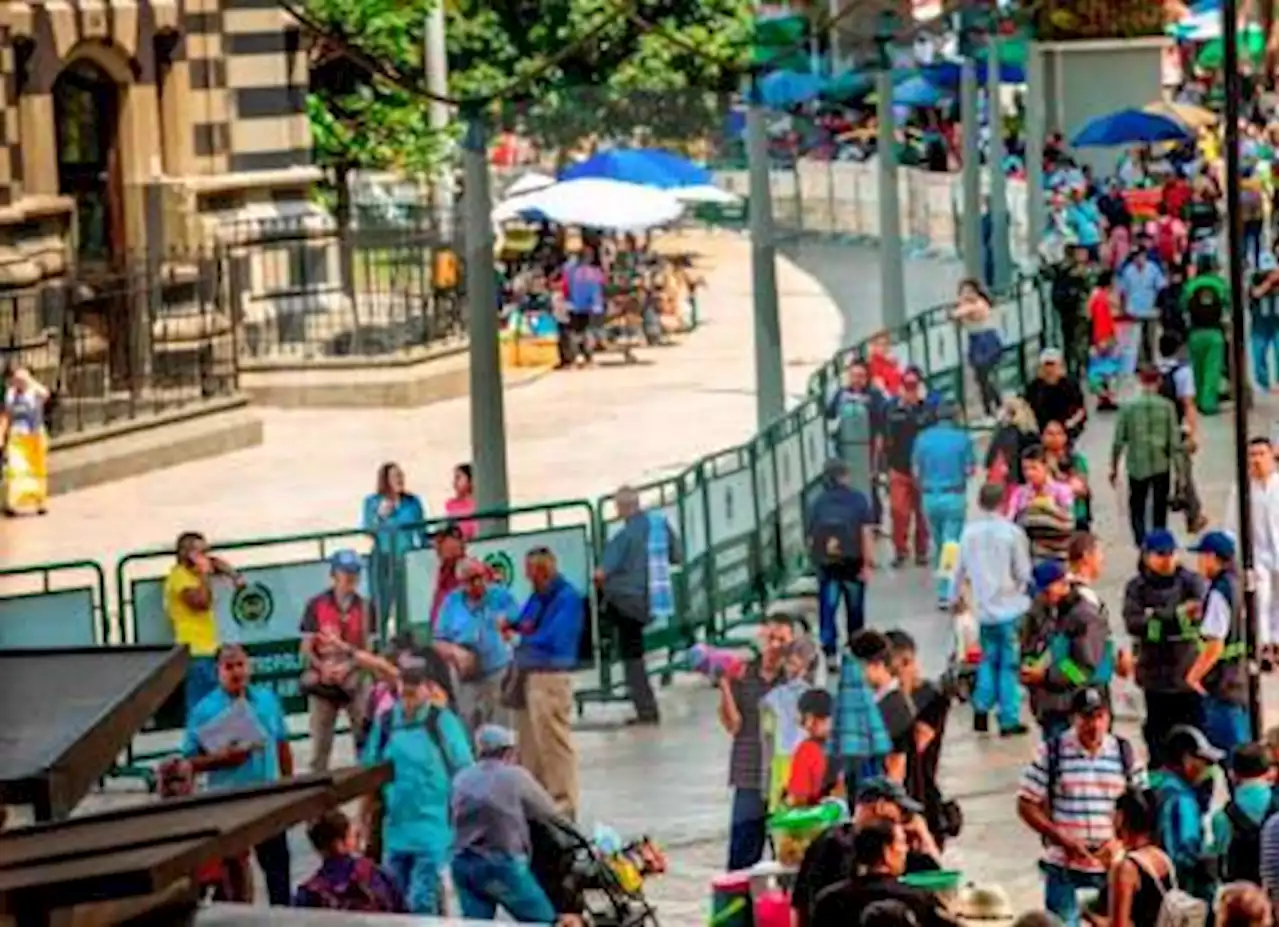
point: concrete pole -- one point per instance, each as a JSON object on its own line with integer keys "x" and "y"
{"x": 435, "y": 56}
{"x": 1033, "y": 132}
{"x": 488, "y": 426}
{"x": 771, "y": 398}
{"x": 893, "y": 297}
{"x": 995, "y": 169}
{"x": 833, "y": 39}
{"x": 971, "y": 176}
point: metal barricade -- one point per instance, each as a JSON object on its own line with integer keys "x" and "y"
{"x": 54, "y": 605}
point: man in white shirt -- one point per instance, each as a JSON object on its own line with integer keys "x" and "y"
{"x": 995, "y": 561}
{"x": 1264, "y": 509}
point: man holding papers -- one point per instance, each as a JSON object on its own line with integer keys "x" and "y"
{"x": 236, "y": 736}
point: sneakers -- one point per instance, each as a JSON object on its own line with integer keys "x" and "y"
{"x": 1015, "y": 730}
{"x": 981, "y": 723}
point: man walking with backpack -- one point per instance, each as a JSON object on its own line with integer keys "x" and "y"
{"x": 840, "y": 531}
{"x": 1178, "y": 385}
{"x": 1076, "y": 822}
{"x": 1147, "y": 438}
{"x": 1237, "y": 826}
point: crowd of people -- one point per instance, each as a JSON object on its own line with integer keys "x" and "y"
{"x": 595, "y": 294}
{"x": 449, "y": 706}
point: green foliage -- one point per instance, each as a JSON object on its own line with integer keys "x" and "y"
{"x": 623, "y": 81}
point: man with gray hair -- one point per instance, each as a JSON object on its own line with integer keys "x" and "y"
{"x": 634, "y": 578}
{"x": 469, "y": 638}
{"x": 839, "y": 529}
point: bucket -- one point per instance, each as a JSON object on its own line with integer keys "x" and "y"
{"x": 773, "y": 909}
{"x": 731, "y": 901}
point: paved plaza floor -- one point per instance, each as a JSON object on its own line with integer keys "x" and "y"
{"x": 583, "y": 433}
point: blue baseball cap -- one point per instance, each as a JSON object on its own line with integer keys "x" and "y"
{"x": 345, "y": 561}
{"x": 1159, "y": 541}
{"x": 1218, "y": 543}
{"x": 1046, "y": 574}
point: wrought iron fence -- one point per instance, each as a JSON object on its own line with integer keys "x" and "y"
{"x": 144, "y": 338}
{"x": 308, "y": 288}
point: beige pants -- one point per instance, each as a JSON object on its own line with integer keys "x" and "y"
{"x": 322, "y": 716}
{"x": 480, "y": 702}
{"x": 545, "y": 740}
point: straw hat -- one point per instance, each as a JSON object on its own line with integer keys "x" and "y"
{"x": 983, "y": 903}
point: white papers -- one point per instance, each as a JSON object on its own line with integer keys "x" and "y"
{"x": 237, "y": 726}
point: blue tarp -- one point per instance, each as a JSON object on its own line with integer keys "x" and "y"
{"x": 624, "y": 164}
{"x": 782, "y": 89}
{"x": 946, "y": 74}
{"x": 916, "y": 91}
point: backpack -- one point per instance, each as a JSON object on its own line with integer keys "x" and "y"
{"x": 1243, "y": 861}
{"x": 833, "y": 537}
{"x": 360, "y": 893}
{"x": 432, "y": 725}
{"x": 1178, "y": 908}
{"x": 1169, "y": 390}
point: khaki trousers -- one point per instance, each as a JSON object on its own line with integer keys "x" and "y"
{"x": 322, "y": 717}
{"x": 544, "y": 738}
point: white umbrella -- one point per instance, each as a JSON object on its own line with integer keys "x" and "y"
{"x": 594, "y": 202}
{"x": 530, "y": 183}
{"x": 705, "y": 193}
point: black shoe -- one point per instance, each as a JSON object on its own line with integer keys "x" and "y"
{"x": 1015, "y": 730}
{"x": 644, "y": 721}
{"x": 922, "y": 561}
{"x": 980, "y": 722}
{"x": 899, "y": 561}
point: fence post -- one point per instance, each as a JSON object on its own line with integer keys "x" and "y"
{"x": 1022, "y": 332}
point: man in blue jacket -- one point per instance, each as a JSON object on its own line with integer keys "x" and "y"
{"x": 838, "y": 528}
{"x": 540, "y": 689}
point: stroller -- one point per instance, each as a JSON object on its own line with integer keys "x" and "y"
{"x": 579, "y": 879}
{"x": 961, "y": 674}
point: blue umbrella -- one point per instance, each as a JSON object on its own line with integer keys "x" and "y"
{"x": 916, "y": 92}
{"x": 624, "y": 164}
{"x": 946, "y": 74}
{"x": 781, "y": 89}
{"x": 1129, "y": 127}
{"x": 682, "y": 170}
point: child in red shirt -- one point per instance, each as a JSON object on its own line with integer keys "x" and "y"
{"x": 1104, "y": 350}
{"x": 811, "y": 779}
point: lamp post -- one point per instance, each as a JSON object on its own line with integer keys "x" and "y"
{"x": 1239, "y": 387}
{"x": 893, "y": 297}
{"x": 970, "y": 177}
{"x": 771, "y": 400}
{"x": 488, "y": 418}
{"x": 1000, "y": 260}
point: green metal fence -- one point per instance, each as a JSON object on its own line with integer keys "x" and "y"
{"x": 740, "y": 513}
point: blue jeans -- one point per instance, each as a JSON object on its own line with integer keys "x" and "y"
{"x": 486, "y": 883}
{"x": 997, "y": 684}
{"x": 1060, "y": 887}
{"x": 202, "y": 678}
{"x": 1226, "y": 724}
{"x": 418, "y": 877}
{"x": 1265, "y": 346}
{"x": 831, "y": 590}
{"x": 945, "y": 513}
{"x": 747, "y": 828}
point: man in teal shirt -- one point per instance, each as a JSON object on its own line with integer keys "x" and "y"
{"x": 1252, "y": 801}
{"x": 1189, "y": 759}
{"x": 942, "y": 461}
{"x": 257, "y": 754}
{"x": 426, "y": 744}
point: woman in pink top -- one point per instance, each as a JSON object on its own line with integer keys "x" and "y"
{"x": 463, "y": 504}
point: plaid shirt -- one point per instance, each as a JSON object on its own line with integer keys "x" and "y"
{"x": 746, "y": 756}
{"x": 859, "y": 726}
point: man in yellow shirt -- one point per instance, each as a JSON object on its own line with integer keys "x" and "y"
{"x": 188, "y": 602}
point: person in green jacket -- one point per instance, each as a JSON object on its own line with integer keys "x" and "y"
{"x": 1204, "y": 299}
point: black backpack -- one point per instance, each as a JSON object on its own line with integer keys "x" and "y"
{"x": 1169, "y": 390}
{"x": 1243, "y": 861}
{"x": 1053, "y": 773}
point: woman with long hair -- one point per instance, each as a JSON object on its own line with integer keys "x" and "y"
{"x": 1067, "y": 465}
{"x": 973, "y": 310}
{"x": 1141, "y": 875}
{"x": 462, "y": 504}
{"x": 395, "y": 517}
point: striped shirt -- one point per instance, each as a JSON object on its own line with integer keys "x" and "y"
{"x": 1084, "y": 800}
{"x": 1271, "y": 859}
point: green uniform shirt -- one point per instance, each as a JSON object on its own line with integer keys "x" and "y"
{"x": 1146, "y": 436}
